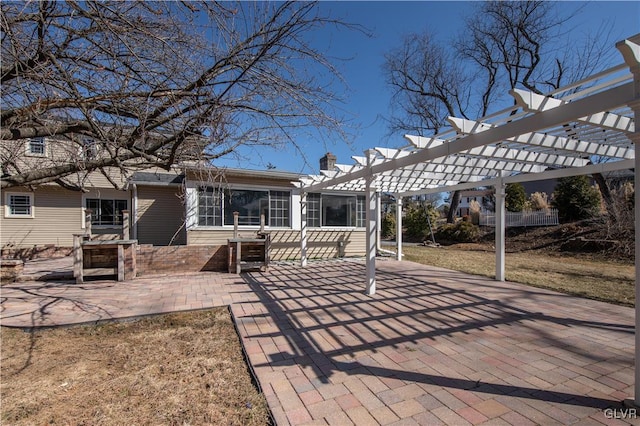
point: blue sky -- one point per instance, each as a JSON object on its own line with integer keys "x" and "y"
{"x": 367, "y": 95}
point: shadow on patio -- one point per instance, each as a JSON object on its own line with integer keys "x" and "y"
{"x": 431, "y": 341}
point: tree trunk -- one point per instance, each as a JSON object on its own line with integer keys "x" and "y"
{"x": 605, "y": 191}
{"x": 455, "y": 202}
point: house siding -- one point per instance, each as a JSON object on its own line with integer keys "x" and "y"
{"x": 98, "y": 180}
{"x": 285, "y": 244}
{"x": 57, "y": 216}
{"x": 160, "y": 215}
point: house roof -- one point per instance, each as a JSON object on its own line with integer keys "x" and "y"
{"x": 272, "y": 174}
{"x": 175, "y": 178}
{"x": 227, "y": 172}
{"x": 157, "y": 178}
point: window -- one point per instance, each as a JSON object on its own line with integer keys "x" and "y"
{"x": 335, "y": 210}
{"x": 19, "y": 205}
{"x": 279, "y": 208}
{"x": 215, "y": 207}
{"x": 361, "y": 211}
{"x": 338, "y": 210}
{"x": 209, "y": 211}
{"x": 89, "y": 148}
{"x": 106, "y": 212}
{"x": 249, "y": 205}
{"x": 313, "y": 210}
{"x": 37, "y": 146}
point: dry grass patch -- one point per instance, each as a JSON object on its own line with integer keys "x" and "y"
{"x": 596, "y": 279}
{"x": 175, "y": 369}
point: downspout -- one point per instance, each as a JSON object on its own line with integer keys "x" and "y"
{"x": 134, "y": 210}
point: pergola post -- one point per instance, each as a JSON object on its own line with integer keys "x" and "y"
{"x": 378, "y": 219}
{"x": 370, "y": 219}
{"x": 636, "y": 141}
{"x": 630, "y": 50}
{"x": 398, "y": 227}
{"x": 500, "y": 229}
{"x": 303, "y": 229}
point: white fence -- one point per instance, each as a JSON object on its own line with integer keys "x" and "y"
{"x": 523, "y": 218}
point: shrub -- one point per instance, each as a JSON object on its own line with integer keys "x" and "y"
{"x": 575, "y": 199}
{"x": 415, "y": 221}
{"x": 388, "y": 226}
{"x": 474, "y": 212}
{"x": 539, "y": 201}
{"x": 515, "y": 197}
{"x": 460, "y": 232}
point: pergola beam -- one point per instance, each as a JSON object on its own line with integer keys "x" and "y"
{"x": 462, "y": 161}
{"x": 534, "y": 102}
{"x": 532, "y": 177}
{"x": 548, "y": 141}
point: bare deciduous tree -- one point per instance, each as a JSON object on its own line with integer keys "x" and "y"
{"x": 505, "y": 45}
{"x": 134, "y": 84}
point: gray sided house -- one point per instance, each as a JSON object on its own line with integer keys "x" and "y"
{"x": 186, "y": 207}
{"x": 335, "y": 221}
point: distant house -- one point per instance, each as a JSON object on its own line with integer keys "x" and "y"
{"x": 187, "y": 206}
{"x": 469, "y": 196}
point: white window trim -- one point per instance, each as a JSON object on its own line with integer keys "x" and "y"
{"x": 27, "y": 148}
{"x": 192, "y": 208}
{"x": 336, "y": 228}
{"x": 7, "y": 207}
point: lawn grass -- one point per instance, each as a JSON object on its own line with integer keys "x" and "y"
{"x": 175, "y": 369}
{"x": 608, "y": 281}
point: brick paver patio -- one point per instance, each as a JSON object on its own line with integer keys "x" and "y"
{"x": 432, "y": 346}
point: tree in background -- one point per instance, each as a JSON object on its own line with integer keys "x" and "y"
{"x": 575, "y": 198}
{"x": 621, "y": 223}
{"x": 155, "y": 83}
{"x": 418, "y": 217}
{"x": 515, "y": 197}
{"x": 388, "y": 225}
{"x": 453, "y": 206}
{"x": 474, "y": 212}
{"x": 504, "y": 45}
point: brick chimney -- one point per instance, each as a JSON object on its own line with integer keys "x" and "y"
{"x": 328, "y": 162}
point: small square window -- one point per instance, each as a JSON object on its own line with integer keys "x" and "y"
{"x": 37, "y": 146}
{"x": 19, "y": 205}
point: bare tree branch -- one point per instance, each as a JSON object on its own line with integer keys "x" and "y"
{"x": 505, "y": 44}
{"x": 156, "y": 83}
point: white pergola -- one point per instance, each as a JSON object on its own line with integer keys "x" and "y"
{"x": 584, "y": 128}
